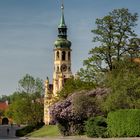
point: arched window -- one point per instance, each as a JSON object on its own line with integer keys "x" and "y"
{"x": 69, "y": 68}
{"x": 5, "y": 121}
{"x": 63, "y": 56}
{"x": 60, "y": 31}
{"x": 69, "y": 55}
{"x": 57, "y": 68}
{"x": 57, "y": 55}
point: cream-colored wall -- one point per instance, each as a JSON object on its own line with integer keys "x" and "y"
{"x": 58, "y": 81}
{"x": 58, "y": 75}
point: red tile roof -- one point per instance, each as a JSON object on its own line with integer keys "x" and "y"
{"x": 3, "y": 105}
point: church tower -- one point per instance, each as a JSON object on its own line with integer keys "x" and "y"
{"x": 62, "y": 67}
{"x": 62, "y": 56}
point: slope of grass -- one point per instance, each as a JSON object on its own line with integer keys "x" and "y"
{"x": 50, "y": 131}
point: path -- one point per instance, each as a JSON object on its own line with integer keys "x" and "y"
{"x": 80, "y": 138}
{"x": 4, "y": 133}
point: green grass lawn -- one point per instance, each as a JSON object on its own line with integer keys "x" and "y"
{"x": 50, "y": 131}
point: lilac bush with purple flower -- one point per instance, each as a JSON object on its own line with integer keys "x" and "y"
{"x": 71, "y": 113}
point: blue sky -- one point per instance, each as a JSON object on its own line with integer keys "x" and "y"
{"x": 28, "y": 29}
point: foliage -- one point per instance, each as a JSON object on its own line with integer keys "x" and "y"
{"x": 124, "y": 87}
{"x": 24, "y": 131}
{"x": 115, "y": 39}
{"x": 1, "y": 112}
{"x": 9, "y": 112}
{"x": 26, "y": 104}
{"x": 84, "y": 106}
{"x": 113, "y": 33}
{"x": 4, "y": 98}
{"x": 72, "y": 85}
{"x": 124, "y": 123}
{"x": 25, "y": 110}
{"x": 96, "y": 127}
{"x": 29, "y": 84}
{"x": 91, "y": 74}
{"x": 49, "y": 131}
{"x": 62, "y": 113}
{"x": 71, "y": 113}
{"x": 68, "y": 128}
{"x": 28, "y": 129}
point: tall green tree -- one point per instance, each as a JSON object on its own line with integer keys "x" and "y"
{"x": 31, "y": 85}
{"x": 123, "y": 83}
{"x": 114, "y": 40}
{"x": 27, "y": 104}
{"x": 26, "y": 110}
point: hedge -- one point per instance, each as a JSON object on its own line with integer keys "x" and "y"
{"x": 124, "y": 123}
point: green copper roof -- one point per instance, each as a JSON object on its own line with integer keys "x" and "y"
{"x": 62, "y": 43}
{"x": 62, "y": 20}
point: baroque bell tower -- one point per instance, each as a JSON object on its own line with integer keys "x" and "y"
{"x": 62, "y": 56}
{"x": 62, "y": 67}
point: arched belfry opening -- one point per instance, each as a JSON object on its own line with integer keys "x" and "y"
{"x": 69, "y": 56}
{"x": 57, "y": 55}
{"x": 63, "y": 56}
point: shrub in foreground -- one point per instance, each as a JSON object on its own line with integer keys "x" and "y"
{"x": 28, "y": 129}
{"x": 96, "y": 127}
{"x": 72, "y": 112}
{"x": 124, "y": 123}
{"x": 24, "y": 131}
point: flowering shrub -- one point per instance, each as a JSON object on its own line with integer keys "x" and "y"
{"x": 71, "y": 113}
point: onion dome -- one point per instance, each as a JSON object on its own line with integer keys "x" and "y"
{"x": 62, "y": 43}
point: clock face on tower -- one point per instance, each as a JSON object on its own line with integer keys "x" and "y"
{"x": 63, "y": 68}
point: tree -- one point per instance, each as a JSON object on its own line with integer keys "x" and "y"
{"x": 26, "y": 111}
{"x": 124, "y": 87}
{"x": 29, "y": 84}
{"x": 1, "y": 112}
{"x": 115, "y": 39}
{"x": 27, "y": 104}
{"x": 4, "y": 98}
{"x": 21, "y": 110}
{"x": 73, "y": 85}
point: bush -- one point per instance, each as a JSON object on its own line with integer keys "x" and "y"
{"x": 27, "y": 129}
{"x": 68, "y": 128}
{"x": 24, "y": 131}
{"x": 124, "y": 123}
{"x": 72, "y": 112}
{"x": 96, "y": 127}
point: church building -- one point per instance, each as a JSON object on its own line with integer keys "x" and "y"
{"x": 62, "y": 67}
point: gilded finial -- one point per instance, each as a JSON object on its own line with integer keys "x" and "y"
{"x": 62, "y": 21}
{"x": 62, "y": 5}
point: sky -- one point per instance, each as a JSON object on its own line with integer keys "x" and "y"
{"x": 28, "y": 29}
